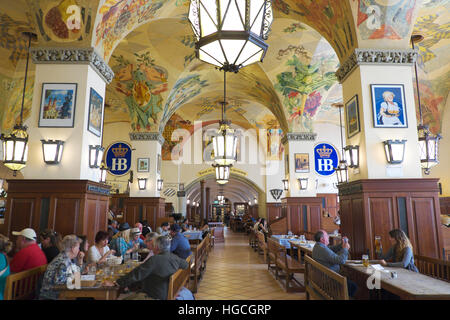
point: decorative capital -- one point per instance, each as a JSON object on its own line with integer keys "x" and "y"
{"x": 375, "y": 57}
{"x": 147, "y": 136}
{"x": 299, "y": 136}
{"x": 48, "y": 55}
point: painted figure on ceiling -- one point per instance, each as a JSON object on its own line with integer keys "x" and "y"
{"x": 142, "y": 84}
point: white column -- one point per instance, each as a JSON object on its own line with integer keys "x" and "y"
{"x": 56, "y": 66}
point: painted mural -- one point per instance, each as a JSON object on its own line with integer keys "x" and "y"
{"x": 433, "y": 61}
{"x": 382, "y": 19}
{"x": 184, "y": 90}
{"x": 171, "y": 150}
{"x": 16, "y": 46}
{"x": 11, "y": 90}
{"x": 140, "y": 82}
{"x": 64, "y": 20}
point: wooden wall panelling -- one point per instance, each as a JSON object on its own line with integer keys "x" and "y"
{"x": 315, "y": 217}
{"x": 359, "y": 228}
{"x": 273, "y": 211}
{"x": 424, "y": 219}
{"x": 23, "y": 214}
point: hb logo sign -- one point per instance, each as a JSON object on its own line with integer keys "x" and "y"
{"x": 118, "y": 158}
{"x": 325, "y": 159}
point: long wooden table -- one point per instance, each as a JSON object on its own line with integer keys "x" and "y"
{"x": 408, "y": 284}
{"x": 302, "y": 248}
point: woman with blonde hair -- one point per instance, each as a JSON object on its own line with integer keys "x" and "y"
{"x": 5, "y": 248}
{"x": 120, "y": 242}
{"x": 401, "y": 252}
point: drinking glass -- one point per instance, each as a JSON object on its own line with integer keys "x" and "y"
{"x": 365, "y": 260}
{"x": 92, "y": 270}
{"x": 135, "y": 256}
{"x": 378, "y": 246}
{"x": 126, "y": 257}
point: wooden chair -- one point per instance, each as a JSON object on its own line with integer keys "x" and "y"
{"x": 179, "y": 280}
{"x": 23, "y": 285}
{"x": 197, "y": 264}
{"x": 435, "y": 268}
{"x": 322, "y": 283}
{"x": 262, "y": 245}
{"x": 290, "y": 266}
{"x": 272, "y": 254}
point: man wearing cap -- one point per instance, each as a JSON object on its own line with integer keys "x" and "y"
{"x": 180, "y": 244}
{"x": 136, "y": 240}
{"x": 29, "y": 255}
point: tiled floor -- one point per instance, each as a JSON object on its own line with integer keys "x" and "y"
{"x": 235, "y": 272}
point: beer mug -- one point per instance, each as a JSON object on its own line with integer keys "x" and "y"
{"x": 365, "y": 260}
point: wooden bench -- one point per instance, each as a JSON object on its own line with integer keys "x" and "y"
{"x": 218, "y": 235}
{"x": 179, "y": 280}
{"x": 322, "y": 283}
{"x": 262, "y": 245}
{"x": 435, "y": 268}
{"x": 212, "y": 237}
{"x": 23, "y": 285}
{"x": 199, "y": 253}
{"x": 272, "y": 253}
{"x": 290, "y": 266}
{"x": 253, "y": 239}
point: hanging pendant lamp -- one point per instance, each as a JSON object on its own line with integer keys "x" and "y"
{"x": 15, "y": 145}
{"x": 428, "y": 142}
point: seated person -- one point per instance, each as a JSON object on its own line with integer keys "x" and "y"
{"x": 256, "y": 225}
{"x": 185, "y": 225}
{"x": 100, "y": 250}
{"x": 154, "y": 273}
{"x": 112, "y": 225}
{"x": 180, "y": 244}
{"x": 205, "y": 229}
{"x": 50, "y": 243}
{"x": 136, "y": 239}
{"x": 140, "y": 227}
{"x": 163, "y": 229}
{"x": 121, "y": 241}
{"x": 29, "y": 255}
{"x": 61, "y": 268}
{"x": 145, "y": 228}
{"x": 332, "y": 256}
{"x": 81, "y": 258}
{"x": 150, "y": 240}
{"x": 401, "y": 252}
{"x": 5, "y": 248}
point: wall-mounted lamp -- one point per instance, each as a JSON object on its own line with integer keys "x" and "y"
{"x": 193, "y": 203}
{"x": 181, "y": 187}
{"x": 198, "y": 204}
{"x": 142, "y": 182}
{"x": 103, "y": 170}
{"x": 352, "y": 156}
{"x": 159, "y": 184}
{"x": 255, "y": 200}
{"x": 303, "y": 183}
{"x": 52, "y": 151}
{"x": 249, "y": 203}
{"x": 395, "y": 151}
{"x": 95, "y": 156}
{"x": 188, "y": 201}
{"x": 285, "y": 184}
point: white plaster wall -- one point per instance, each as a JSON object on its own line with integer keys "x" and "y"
{"x": 373, "y": 163}
{"x": 75, "y": 158}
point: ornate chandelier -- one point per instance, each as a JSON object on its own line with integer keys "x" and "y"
{"x": 230, "y": 34}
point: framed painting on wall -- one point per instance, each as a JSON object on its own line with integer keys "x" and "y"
{"x": 143, "y": 164}
{"x": 352, "y": 116}
{"x": 301, "y": 162}
{"x": 388, "y": 105}
{"x": 58, "y": 101}
{"x": 95, "y": 119}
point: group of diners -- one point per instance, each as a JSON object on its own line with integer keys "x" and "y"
{"x": 399, "y": 255}
{"x": 167, "y": 250}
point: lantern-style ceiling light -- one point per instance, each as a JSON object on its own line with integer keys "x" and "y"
{"x": 103, "y": 170}
{"x": 428, "y": 143}
{"x": 95, "y": 156}
{"x": 52, "y": 151}
{"x": 15, "y": 145}
{"x": 225, "y": 144}
{"x": 429, "y": 147}
{"x": 352, "y": 156}
{"x": 303, "y": 183}
{"x": 142, "y": 183}
{"x": 395, "y": 151}
{"x": 342, "y": 172}
{"x": 222, "y": 173}
{"x": 159, "y": 184}
{"x": 230, "y": 34}
{"x": 285, "y": 184}
{"x": 342, "y": 168}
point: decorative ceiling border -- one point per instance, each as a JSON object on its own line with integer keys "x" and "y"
{"x": 299, "y": 136}
{"x": 375, "y": 57}
{"x": 47, "y": 55}
{"x": 147, "y": 136}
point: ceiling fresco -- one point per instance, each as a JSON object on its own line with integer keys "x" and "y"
{"x": 150, "y": 47}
